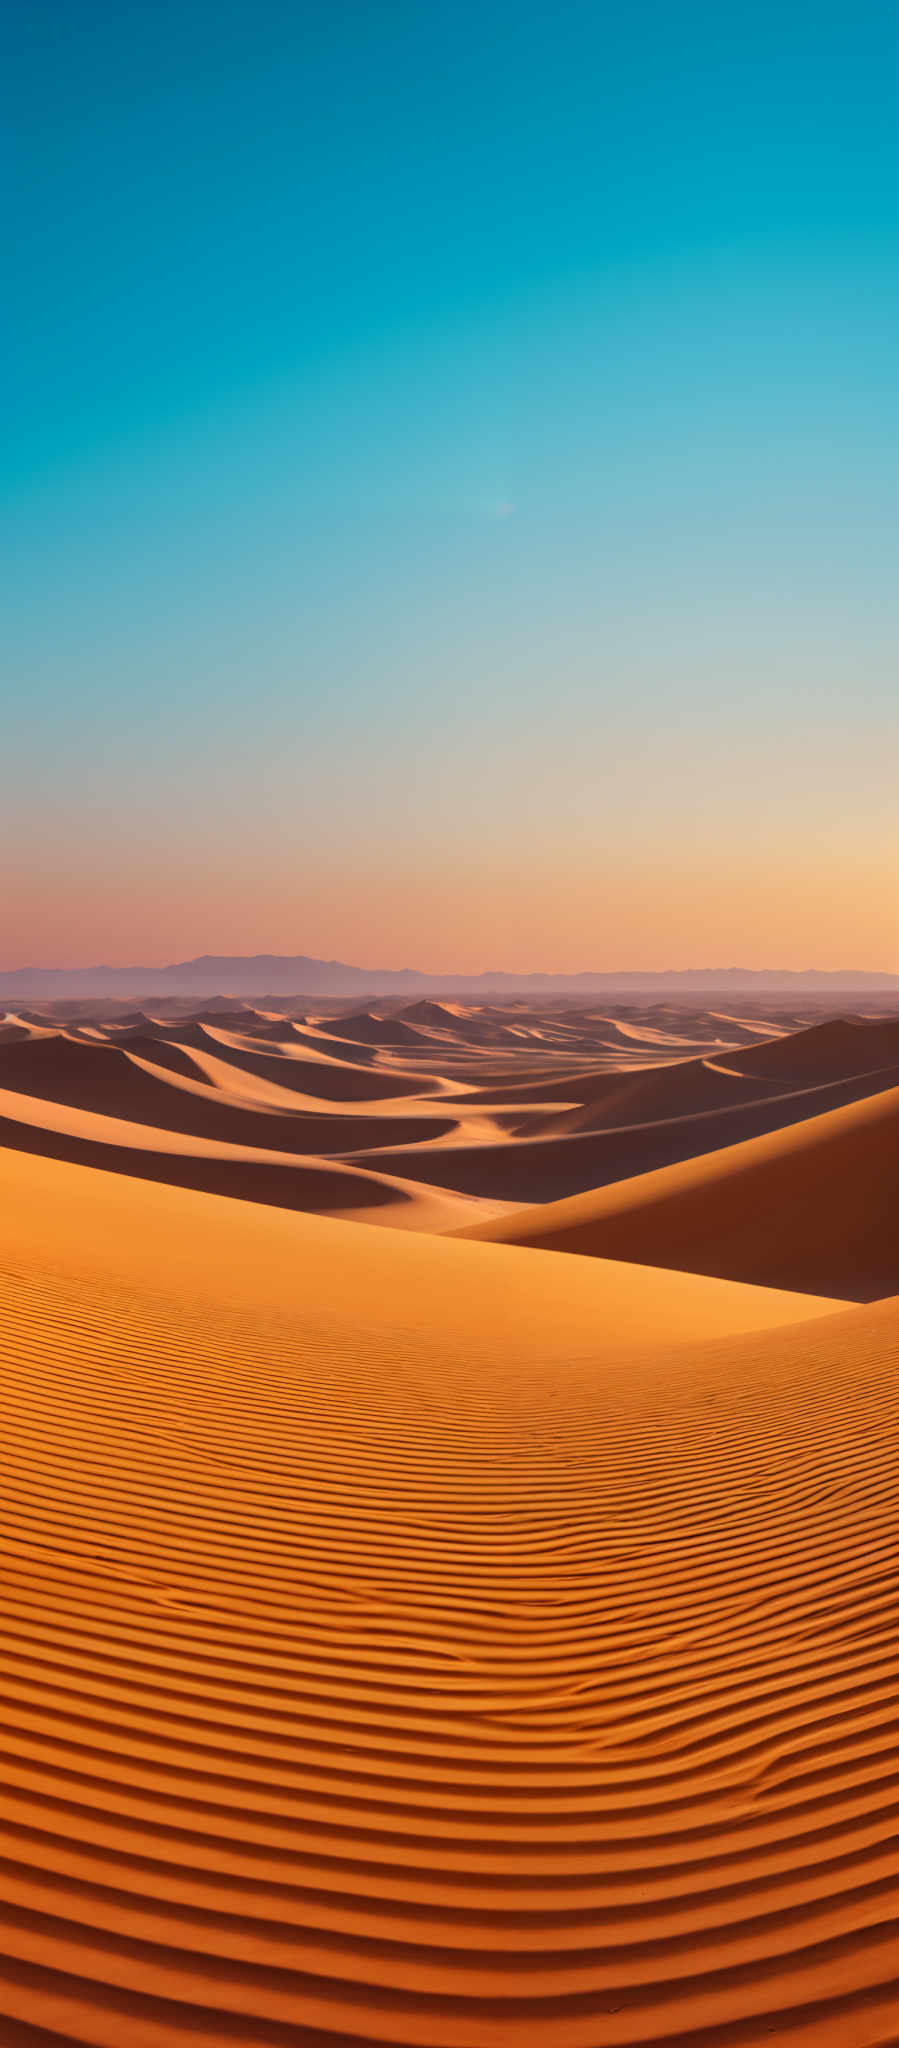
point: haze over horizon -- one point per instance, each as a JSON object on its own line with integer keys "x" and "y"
{"x": 258, "y": 975}
{"x": 416, "y": 967}
{"x": 450, "y": 469}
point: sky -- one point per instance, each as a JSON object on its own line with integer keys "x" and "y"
{"x": 449, "y": 464}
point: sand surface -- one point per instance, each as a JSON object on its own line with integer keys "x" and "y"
{"x": 812, "y": 1206}
{"x": 410, "y": 1639}
{"x": 440, "y": 1117}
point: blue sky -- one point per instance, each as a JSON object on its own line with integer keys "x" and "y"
{"x": 450, "y": 460}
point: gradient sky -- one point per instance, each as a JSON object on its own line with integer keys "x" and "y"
{"x": 450, "y": 464}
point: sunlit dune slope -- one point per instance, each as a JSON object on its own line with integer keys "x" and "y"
{"x": 239, "y": 1252}
{"x": 810, "y": 1206}
{"x": 404, "y": 1643}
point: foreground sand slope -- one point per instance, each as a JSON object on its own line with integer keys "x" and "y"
{"x": 247, "y": 1256}
{"x": 810, "y": 1206}
{"x": 402, "y": 1644}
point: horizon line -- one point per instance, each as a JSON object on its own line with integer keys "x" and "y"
{"x": 467, "y": 974}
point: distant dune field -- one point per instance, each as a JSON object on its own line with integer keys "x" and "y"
{"x": 417, "y": 1635}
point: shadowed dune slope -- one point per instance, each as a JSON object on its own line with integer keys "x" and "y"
{"x": 403, "y": 1644}
{"x": 365, "y": 1029}
{"x": 441, "y": 1016}
{"x": 569, "y": 1162}
{"x": 142, "y": 1045}
{"x": 810, "y": 1206}
{"x": 246, "y": 1173}
{"x": 110, "y": 1081}
{"x": 654, "y": 1094}
{"x": 296, "y": 1057}
{"x": 316, "y": 1067}
{"x": 825, "y": 1052}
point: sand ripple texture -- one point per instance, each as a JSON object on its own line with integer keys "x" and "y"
{"x": 459, "y": 1692}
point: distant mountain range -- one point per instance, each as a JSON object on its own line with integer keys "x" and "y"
{"x": 279, "y": 974}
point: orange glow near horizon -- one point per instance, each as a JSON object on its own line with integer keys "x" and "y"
{"x": 469, "y": 915}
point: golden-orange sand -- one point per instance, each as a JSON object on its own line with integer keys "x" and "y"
{"x": 404, "y": 1643}
{"x": 409, "y": 1640}
{"x": 814, "y": 1206}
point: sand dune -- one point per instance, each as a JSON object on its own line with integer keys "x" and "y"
{"x": 748, "y": 1029}
{"x": 412, "y": 1641}
{"x": 366, "y": 1029}
{"x": 444, "y": 1128}
{"x": 440, "y": 1016}
{"x": 566, "y": 1162}
{"x": 824, "y": 1052}
{"x": 244, "y": 1172}
{"x": 615, "y": 1032}
{"x": 114, "y": 1083}
{"x": 654, "y": 1094}
{"x": 811, "y": 1205}
{"x": 311, "y": 1070}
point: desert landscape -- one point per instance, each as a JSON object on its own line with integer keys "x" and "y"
{"x": 450, "y": 1555}
{"x": 449, "y": 1026}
